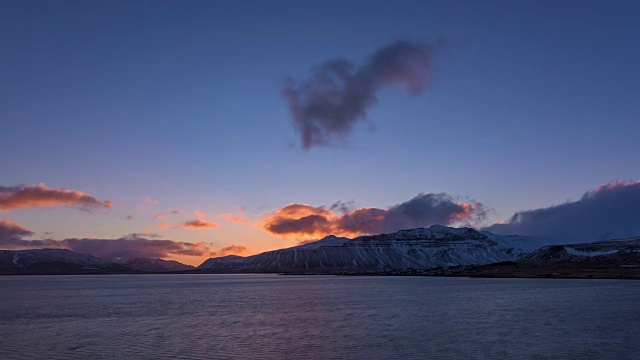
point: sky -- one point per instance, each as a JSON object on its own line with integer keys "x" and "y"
{"x": 190, "y": 129}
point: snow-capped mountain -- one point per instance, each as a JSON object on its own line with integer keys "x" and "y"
{"x": 618, "y": 250}
{"x": 63, "y": 261}
{"x": 421, "y": 248}
{"x": 156, "y": 265}
{"x": 55, "y": 261}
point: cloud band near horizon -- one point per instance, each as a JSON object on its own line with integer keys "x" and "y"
{"x": 610, "y": 211}
{"x": 424, "y": 210}
{"x": 126, "y": 247}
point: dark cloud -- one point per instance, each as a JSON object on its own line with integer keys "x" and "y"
{"x": 327, "y": 105}
{"x": 25, "y": 196}
{"x": 422, "y": 211}
{"x": 342, "y": 207}
{"x": 427, "y": 210}
{"x": 142, "y": 235}
{"x": 12, "y": 231}
{"x": 130, "y": 246}
{"x": 612, "y": 210}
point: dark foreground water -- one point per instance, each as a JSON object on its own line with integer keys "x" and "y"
{"x": 316, "y": 317}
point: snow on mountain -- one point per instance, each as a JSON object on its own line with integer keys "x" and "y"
{"x": 330, "y": 240}
{"x": 43, "y": 261}
{"x": 421, "y": 248}
{"x": 616, "y": 250}
{"x": 224, "y": 262}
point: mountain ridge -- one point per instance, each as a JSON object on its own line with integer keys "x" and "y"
{"x": 422, "y": 248}
{"x": 64, "y": 261}
{"x": 56, "y": 261}
{"x": 419, "y": 249}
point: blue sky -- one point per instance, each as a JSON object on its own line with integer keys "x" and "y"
{"x": 528, "y": 105}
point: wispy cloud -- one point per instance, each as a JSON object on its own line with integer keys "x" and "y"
{"x": 609, "y": 211}
{"x": 26, "y": 196}
{"x": 149, "y": 200}
{"x": 200, "y": 215}
{"x": 200, "y": 223}
{"x": 326, "y": 106}
{"x": 237, "y": 218}
{"x": 196, "y": 224}
{"x": 162, "y": 216}
{"x": 424, "y": 210}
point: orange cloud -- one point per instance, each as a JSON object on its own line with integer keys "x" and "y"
{"x": 467, "y": 211}
{"x": 196, "y": 224}
{"x": 200, "y": 223}
{"x": 159, "y": 216}
{"x": 616, "y": 185}
{"x": 302, "y": 220}
{"x": 229, "y": 250}
{"x": 305, "y": 221}
{"x": 200, "y": 215}
{"x": 26, "y": 196}
{"x": 237, "y": 218}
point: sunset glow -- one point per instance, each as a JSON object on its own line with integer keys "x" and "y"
{"x": 314, "y": 180}
{"x": 192, "y": 138}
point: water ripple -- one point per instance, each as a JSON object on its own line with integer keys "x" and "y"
{"x": 316, "y": 317}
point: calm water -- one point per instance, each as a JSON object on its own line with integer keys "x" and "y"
{"x": 316, "y": 317}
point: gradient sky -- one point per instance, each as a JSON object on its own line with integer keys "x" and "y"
{"x": 161, "y": 106}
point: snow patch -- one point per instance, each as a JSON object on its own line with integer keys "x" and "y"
{"x": 574, "y": 251}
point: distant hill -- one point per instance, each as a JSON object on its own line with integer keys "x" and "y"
{"x": 56, "y": 261}
{"x": 610, "y": 259}
{"x": 62, "y": 261}
{"x": 156, "y": 265}
{"x": 472, "y": 252}
{"x": 609, "y": 251}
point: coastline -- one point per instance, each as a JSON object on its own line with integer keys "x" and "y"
{"x": 508, "y": 271}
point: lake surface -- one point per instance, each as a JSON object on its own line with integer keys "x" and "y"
{"x": 316, "y": 317}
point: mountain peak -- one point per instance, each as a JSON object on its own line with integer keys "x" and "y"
{"x": 435, "y": 232}
{"x": 330, "y": 240}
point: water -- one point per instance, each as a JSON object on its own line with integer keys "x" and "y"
{"x": 316, "y": 317}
